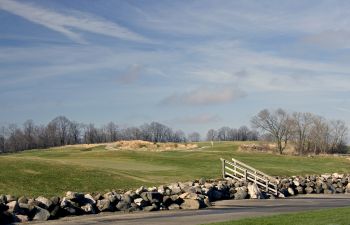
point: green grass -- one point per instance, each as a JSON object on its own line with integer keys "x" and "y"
{"x": 54, "y": 171}
{"x": 339, "y": 216}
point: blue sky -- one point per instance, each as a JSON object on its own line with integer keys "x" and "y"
{"x": 192, "y": 65}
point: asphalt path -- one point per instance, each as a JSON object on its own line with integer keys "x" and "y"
{"x": 220, "y": 211}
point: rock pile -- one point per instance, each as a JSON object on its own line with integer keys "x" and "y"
{"x": 323, "y": 184}
{"x": 187, "y": 195}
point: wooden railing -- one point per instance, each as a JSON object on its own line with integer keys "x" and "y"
{"x": 241, "y": 171}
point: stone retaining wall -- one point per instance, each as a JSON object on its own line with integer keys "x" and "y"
{"x": 187, "y": 195}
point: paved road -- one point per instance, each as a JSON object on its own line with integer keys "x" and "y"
{"x": 221, "y": 211}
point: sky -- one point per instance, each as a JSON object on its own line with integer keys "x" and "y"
{"x": 192, "y": 65}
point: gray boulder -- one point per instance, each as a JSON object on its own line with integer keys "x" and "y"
{"x": 45, "y": 203}
{"x": 174, "y": 206}
{"x": 123, "y": 206}
{"x": 104, "y": 205}
{"x": 41, "y": 214}
{"x": 150, "y": 208}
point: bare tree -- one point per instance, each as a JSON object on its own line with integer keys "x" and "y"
{"x": 194, "y": 137}
{"x": 302, "y": 124}
{"x": 277, "y": 123}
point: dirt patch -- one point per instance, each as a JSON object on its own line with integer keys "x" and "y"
{"x": 149, "y": 146}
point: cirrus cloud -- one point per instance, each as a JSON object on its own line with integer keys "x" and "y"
{"x": 204, "y": 96}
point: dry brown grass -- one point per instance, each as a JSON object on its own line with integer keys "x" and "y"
{"x": 149, "y": 146}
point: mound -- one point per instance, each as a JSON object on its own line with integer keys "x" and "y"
{"x": 149, "y": 146}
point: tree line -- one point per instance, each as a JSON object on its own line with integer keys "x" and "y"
{"x": 309, "y": 133}
{"x": 62, "y": 131}
{"x": 232, "y": 134}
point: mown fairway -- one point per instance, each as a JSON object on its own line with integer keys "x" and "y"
{"x": 54, "y": 171}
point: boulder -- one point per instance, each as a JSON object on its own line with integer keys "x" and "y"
{"x": 110, "y": 196}
{"x": 291, "y": 191}
{"x": 152, "y": 197}
{"x": 13, "y": 207}
{"x": 45, "y": 203}
{"x": 3, "y": 199}
{"x": 140, "y": 190}
{"x": 21, "y": 218}
{"x": 309, "y": 190}
{"x": 104, "y": 205}
{"x": 10, "y": 198}
{"x": 241, "y": 193}
{"x": 150, "y": 208}
{"x": 202, "y": 181}
{"x": 22, "y": 199}
{"x": 123, "y": 206}
{"x": 173, "y": 206}
{"x": 41, "y": 214}
{"x": 190, "y": 204}
{"x": 89, "y": 208}
{"x": 89, "y": 199}
{"x": 142, "y": 203}
{"x": 254, "y": 191}
{"x": 75, "y": 197}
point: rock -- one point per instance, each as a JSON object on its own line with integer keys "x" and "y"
{"x": 133, "y": 208}
{"x": 152, "y": 197}
{"x": 202, "y": 181}
{"x": 89, "y": 208}
{"x": 22, "y": 199}
{"x": 241, "y": 193}
{"x": 110, "y": 196}
{"x": 291, "y": 191}
{"x": 41, "y": 214}
{"x": 89, "y": 199}
{"x": 13, "y": 207}
{"x": 328, "y": 191}
{"x": 57, "y": 212}
{"x": 254, "y": 191}
{"x": 3, "y": 199}
{"x": 150, "y": 208}
{"x": 309, "y": 190}
{"x": 21, "y": 218}
{"x": 142, "y": 203}
{"x": 75, "y": 197}
{"x": 166, "y": 200}
{"x": 161, "y": 189}
{"x": 104, "y": 205}
{"x": 3, "y": 207}
{"x": 127, "y": 199}
{"x": 190, "y": 204}
{"x": 174, "y": 206}
{"x": 140, "y": 190}
{"x": 46, "y": 203}
{"x": 123, "y": 206}
{"x": 11, "y": 198}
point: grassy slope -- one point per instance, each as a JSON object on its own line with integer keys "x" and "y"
{"x": 54, "y": 171}
{"x": 340, "y": 216}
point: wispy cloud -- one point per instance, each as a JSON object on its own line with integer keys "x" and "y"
{"x": 63, "y": 23}
{"x": 204, "y": 96}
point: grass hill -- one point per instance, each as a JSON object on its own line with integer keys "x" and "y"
{"x": 99, "y": 168}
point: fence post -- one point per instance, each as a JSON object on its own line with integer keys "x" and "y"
{"x": 245, "y": 175}
{"x": 267, "y": 185}
{"x": 223, "y": 168}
